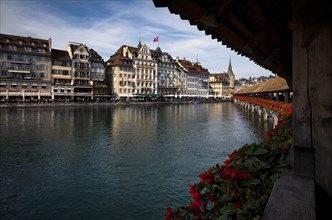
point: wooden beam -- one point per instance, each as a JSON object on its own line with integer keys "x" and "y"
{"x": 258, "y": 9}
{"x": 274, "y": 54}
{"x": 240, "y": 25}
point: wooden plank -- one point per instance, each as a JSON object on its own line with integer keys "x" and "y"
{"x": 293, "y": 196}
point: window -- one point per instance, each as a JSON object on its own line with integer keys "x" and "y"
{"x": 7, "y": 40}
{"x": 33, "y": 43}
{"x": 20, "y": 42}
{"x": 12, "y": 47}
{"x": 41, "y": 50}
{"x": 28, "y": 49}
{"x": 3, "y": 64}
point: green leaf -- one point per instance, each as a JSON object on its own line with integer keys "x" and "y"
{"x": 227, "y": 197}
{"x": 251, "y": 182}
{"x": 249, "y": 165}
{"x": 260, "y": 151}
{"x": 222, "y": 217}
{"x": 261, "y": 163}
{"x": 227, "y": 210}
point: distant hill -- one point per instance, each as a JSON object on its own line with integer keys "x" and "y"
{"x": 243, "y": 82}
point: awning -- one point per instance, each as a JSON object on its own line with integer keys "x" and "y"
{"x": 147, "y": 95}
{"x": 19, "y": 71}
{"x": 61, "y": 77}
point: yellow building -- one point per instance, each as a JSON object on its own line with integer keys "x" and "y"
{"x": 222, "y": 84}
{"x": 219, "y": 85}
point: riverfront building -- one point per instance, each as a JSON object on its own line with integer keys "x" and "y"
{"x": 134, "y": 71}
{"x": 145, "y": 67}
{"x": 98, "y": 77}
{"x": 79, "y": 55}
{"x": 197, "y": 79}
{"x": 222, "y": 84}
{"x": 170, "y": 78}
{"x": 62, "y": 86}
{"x": 25, "y": 67}
{"x": 219, "y": 85}
{"x": 32, "y": 71}
{"x": 139, "y": 71}
{"x": 121, "y": 71}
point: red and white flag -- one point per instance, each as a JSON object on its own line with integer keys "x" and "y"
{"x": 156, "y": 39}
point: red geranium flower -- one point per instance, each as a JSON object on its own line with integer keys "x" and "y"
{"x": 206, "y": 177}
{"x": 169, "y": 214}
{"x": 269, "y": 135}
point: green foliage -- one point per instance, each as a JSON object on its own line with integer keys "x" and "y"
{"x": 240, "y": 188}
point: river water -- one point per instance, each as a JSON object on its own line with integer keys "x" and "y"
{"x": 116, "y": 162}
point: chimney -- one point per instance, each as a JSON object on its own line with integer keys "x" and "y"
{"x": 50, "y": 44}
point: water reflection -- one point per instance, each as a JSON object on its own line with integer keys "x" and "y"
{"x": 113, "y": 162}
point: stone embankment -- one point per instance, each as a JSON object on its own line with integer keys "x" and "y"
{"x": 113, "y": 103}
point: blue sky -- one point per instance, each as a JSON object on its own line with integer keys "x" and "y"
{"x": 105, "y": 25}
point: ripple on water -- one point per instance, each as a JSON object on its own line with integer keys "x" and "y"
{"x": 112, "y": 162}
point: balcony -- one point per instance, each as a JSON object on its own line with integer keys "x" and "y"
{"x": 82, "y": 76}
{"x": 19, "y": 61}
{"x": 61, "y": 77}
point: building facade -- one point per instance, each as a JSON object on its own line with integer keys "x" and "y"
{"x": 134, "y": 71}
{"x": 197, "y": 79}
{"x": 62, "y": 84}
{"x": 121, "y": 70}
{"x": 81, "y": 81}
{"x": 145, "y": 67}
{"x": 219, "y": 85}
{"x": 222, "y": 84}
{"x": 169, "y": 77}
{"x": 98, "y": 77}
{"x": 25, "y": 66}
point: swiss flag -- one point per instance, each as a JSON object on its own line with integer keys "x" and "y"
{"x": 156, "y": 39}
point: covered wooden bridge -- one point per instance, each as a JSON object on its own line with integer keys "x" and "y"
{"x": 270, "y": 99}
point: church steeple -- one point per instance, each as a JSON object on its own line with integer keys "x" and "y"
{"x": 139, "y": 43}
{"x": 230, "y": 71}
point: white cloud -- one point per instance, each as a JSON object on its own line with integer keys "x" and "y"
{"x": 106, "y": 25}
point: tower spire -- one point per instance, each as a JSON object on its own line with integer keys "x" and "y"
{"x": 139, "y": 43}
{"x": 230, "y": 71}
